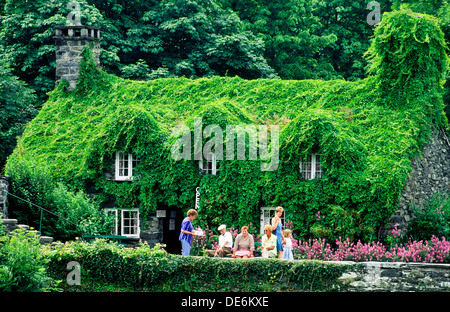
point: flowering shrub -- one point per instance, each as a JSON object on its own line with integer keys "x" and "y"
{"x": 201, "y": 243}
{"x": 433, "y": 218}
{"x": 395, "y": 236}
{"x": 432, "y": 251}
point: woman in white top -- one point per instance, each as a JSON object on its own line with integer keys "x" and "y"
{"x": 225, "y": 244}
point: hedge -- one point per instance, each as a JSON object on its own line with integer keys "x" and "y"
{"x": 152, "y": 269}
{"x": 367, "y": 132}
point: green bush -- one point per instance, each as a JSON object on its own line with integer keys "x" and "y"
{"x": 63, "y": 207}
{"x": 22, "y": 264}
{"x": 432, "y": 219}
{"x": 77, "y": 208}
{"x": 33, "y": 184}
{"x": 145, "y": 268}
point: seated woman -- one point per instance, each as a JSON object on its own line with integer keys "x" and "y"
{"x": 269, "y": 243}
{"x": 244, "y": 244}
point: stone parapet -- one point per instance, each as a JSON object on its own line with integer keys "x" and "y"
{"x": 396, "y": 277}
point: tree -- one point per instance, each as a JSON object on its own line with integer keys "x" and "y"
{"x": 16, "y": 109}
{"x": 27, "y": 43}
{"x": 348, "y": 21}
{"x": 141, "y": 39}
{"x": 311, "y": 39}
{"x": 195, "y": 38}
{"x": 291, "y": 33}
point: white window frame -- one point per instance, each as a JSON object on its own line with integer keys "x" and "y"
{"x": 132, "y": 162}
{"x": 267, "y": 214}
{"x": 136, "y": 233}
{"x": 115, "y": 229}
{"x": 213, "y": 163}
{"x": 314, "y": 171}
{"x": 137, "y": 226}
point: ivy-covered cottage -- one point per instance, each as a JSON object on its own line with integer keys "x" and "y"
{"x": 349, "y": 158}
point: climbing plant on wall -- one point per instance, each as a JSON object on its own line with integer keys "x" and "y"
{"x": 366, "y": 132}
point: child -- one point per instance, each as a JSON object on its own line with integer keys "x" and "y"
{"x": 287, "y": 254}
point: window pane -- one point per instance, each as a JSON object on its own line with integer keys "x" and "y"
{"x": 123, "y": 164}
{"x": 306, "y": 168}
{"x": 207, "y": 167}
{"x": 130, "y": 222}
{"x": 114, "y": 225}
{"x": 135, "y": 161}
{"x": 318, "y": 167}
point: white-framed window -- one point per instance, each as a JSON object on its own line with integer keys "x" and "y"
{"x": 267, "y": 213}
{"x": 209, "y": 166}
{"x": 129, "y": 224}
{"x": 128, "y": 220}
{"x": 125, "y": 162}
{"x": 311, "y": 167}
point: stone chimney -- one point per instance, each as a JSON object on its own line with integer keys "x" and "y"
{"x": 70, "y": 41}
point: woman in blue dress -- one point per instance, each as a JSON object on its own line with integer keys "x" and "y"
{"x": 277, "y": 227}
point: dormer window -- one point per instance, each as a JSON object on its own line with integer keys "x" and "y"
{"x": 125, "y": 163}
{"x": 209, "y": 166}
{"x": 311, "y": 167}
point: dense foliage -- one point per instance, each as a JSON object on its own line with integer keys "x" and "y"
{"x": 66, "y": 214}
{"x": 293, "y": 39}
{"x": 22, "y": 264}
{"x": 307, "y": 39}
{"x": 366, "y": 132}
{"x": 432, "y": 219}
{"x": 16, "y": 109}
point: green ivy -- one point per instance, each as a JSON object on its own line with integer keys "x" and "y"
{"x": 366, "y": 131}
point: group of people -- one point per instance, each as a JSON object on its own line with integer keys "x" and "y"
{"x": 275, "y": 241}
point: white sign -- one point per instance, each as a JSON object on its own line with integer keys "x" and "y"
{"x": 160, "y": 213}
{"x": 197, "y": 198}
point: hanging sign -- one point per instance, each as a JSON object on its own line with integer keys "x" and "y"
{"x": 197, "y": 198}
{"x": 160, "y": 213}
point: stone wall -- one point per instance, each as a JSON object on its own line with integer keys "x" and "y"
{"x": 152, "y": 230}
{"x": 9, "y": 225}
{"x": 397, "y": 277}
{"x": 430, "y": 175}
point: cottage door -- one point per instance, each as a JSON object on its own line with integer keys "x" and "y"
{"x": 171, "y": 230}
